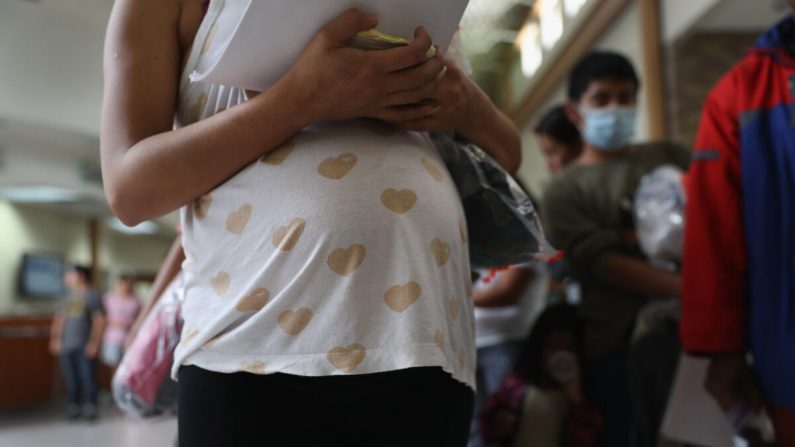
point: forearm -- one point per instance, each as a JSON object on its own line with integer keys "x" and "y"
{"x": 168, "y": 271}
{"x": 640, "y": 278}
{"x": 490, "y": 129}
{"x": 163, "y": 172}
{"x": 493, "y": 298}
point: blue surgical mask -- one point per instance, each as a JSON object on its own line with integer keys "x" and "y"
{"x": 609, "y": 128}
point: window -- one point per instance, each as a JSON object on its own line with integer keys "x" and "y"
{"x": 574, "y": 6}
{"x": 530, "y": 46}
{"x": 551, "y": 19}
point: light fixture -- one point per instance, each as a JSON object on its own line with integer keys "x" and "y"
{"x": 38, "y": 194}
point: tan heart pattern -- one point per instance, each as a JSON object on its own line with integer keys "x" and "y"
{"x": 295, "y": 321}
{"x": 208, "y": 42}
{"x": 254, "y": 301}
{"x": 201, "y": 206}
{"x": 346, "y": 358}
{"x": 285, "y": 238}
{"x": 461, "y": 359}
{"x": 278, "y": 155}
{"x": 438, "y": 337}
{"x": 189, "y": 336}
{"x": 220, "y": 283}
{"x": 344, "y": 261}
{"x": 400, "y": 298}
{"x": 210, "y": 343}
{"x": 441, "y": 252}
{"x": 399, "y": 201}
{"x": 253, "y": 367}
{"x": 336, "y": 168}
{"x": 432, "y": 170}
{"x": 455, "y": 308}
{"x": 237, "y": 221}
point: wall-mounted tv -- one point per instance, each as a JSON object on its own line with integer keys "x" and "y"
{"x": 41, "y": 275}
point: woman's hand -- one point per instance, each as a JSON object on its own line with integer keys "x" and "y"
{"x": 333, "y": 81}
{"x": 448, "y": 102}
{"x": 454, "y": 102}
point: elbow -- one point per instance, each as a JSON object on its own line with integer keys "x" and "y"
{"x": 121, "y": 204}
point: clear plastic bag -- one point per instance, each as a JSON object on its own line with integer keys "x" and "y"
{"x": 660, "y": 214}
{"x": 142, "y": 385}
{"x": 503, "y": 226}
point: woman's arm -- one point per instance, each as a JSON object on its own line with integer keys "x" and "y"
{"x": 168, "y": 271}
{"x": 150, "y": 169}
{"x": 513, "y": 284}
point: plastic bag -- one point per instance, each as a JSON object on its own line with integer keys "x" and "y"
{"x": 504, "y": 228}
{"x": 660, "y": 214}
{"x": 141, "y": 385}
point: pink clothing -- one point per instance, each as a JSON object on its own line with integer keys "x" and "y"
{"x": 120, "y": 313}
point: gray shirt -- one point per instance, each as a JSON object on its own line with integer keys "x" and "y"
{"x": 77, "y": 311}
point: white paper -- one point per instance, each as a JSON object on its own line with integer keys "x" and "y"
{"x": 270, "y": 34}
{"x": 693, "y": 416}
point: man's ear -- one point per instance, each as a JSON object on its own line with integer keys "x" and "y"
{"x": 573, "y": 114}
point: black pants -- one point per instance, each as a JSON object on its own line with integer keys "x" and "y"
{"x": 411, "y": 407}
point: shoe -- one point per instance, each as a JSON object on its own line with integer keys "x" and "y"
{"x": 90, "y": 412}
{"x": 73, "y": 412}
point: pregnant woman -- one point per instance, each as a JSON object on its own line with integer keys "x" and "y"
{"x": 327, "y": 295}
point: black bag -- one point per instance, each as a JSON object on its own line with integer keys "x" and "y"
{"x": 504, "y": 228}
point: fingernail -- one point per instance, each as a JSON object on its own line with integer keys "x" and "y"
{"x": 372, "y": 17}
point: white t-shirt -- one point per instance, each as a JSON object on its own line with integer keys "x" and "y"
{"x": 342, "y": 252}
{"x": 500, "y": 324}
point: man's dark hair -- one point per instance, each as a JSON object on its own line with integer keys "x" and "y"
{"x": 557, "y": 125}
{"x": 600, "y": 65}
{"x": 84, "y": 272}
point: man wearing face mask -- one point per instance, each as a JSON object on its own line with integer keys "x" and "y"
{"x": 588, "y": 211}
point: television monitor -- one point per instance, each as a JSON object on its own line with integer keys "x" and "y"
{"x": 41, "y": 275}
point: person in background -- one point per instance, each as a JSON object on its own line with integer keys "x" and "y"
{"x": 560, "y": 143}
{"x": 541, "y": 402}
{"x": 75, "y": 338}
{"x": 559, "y": 140}
{"x": 507, "y": 301}
{"x": 121, "y": 309}
{"x": 588, "y": 213}
{"x": 738, "y": 293}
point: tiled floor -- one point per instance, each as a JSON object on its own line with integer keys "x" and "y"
{"x": 47, "y": 427}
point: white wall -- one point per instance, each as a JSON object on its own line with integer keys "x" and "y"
{"x": 51, "y": 62}
{"x": 28, "y": 229}
{"x": 679, "y": 16}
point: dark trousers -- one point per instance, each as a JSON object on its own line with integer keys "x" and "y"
{"x": 411, "y": 407}
{"x": 78, "y": 373}
{"x": 607, "y": 386}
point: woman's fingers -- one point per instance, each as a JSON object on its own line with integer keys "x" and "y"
{"x": 400, "y": 58}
